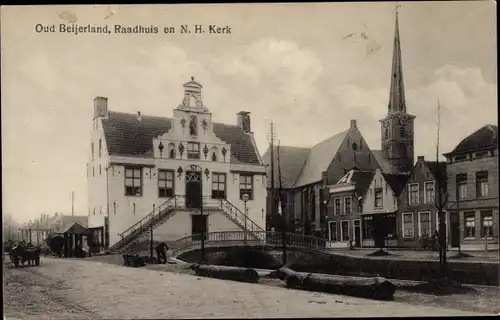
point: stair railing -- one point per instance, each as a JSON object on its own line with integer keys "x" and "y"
{"x": 155, "y": 213}
{"x": 235, "y": 213}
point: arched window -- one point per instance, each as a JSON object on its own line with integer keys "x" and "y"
{"x": 100, "y": 148}
{"x": 386, "y": 133}
{"x": 92, "y": 147}
{"x": 171, "y": 150}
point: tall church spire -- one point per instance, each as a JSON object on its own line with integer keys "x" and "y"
{"x": 397, "y": 126}
{"x": 397, "y": 103}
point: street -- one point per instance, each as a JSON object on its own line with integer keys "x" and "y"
{"x": 74, "y": 289}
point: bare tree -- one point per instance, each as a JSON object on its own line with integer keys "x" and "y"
{"x": 441, "y": 200}
{"x": 9, "y": 227}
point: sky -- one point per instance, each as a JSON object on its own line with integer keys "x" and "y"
{"x": 309, "y": 68}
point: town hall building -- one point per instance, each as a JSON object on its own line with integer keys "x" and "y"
{"x": 179, "y": 176}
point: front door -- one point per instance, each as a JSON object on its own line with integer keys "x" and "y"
{"x": 454, "y": 229}
{"x": 357, "y": 233}
{"x": 198, "y": 226}
{"x": 193, "y": 189}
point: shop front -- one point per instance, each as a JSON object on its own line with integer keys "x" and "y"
{"x": 385, "y": 223}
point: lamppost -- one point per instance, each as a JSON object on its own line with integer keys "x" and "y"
{"x": 245, "y": 198}
{"x": 29, "y": 230}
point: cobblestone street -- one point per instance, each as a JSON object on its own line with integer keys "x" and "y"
{"x": 74, "y": 289}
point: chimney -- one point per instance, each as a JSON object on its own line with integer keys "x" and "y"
{"x": 420, "y": 158}
{"x": 100, "y": 107}
{"x": 244, "y": 121}
{"x": 139, "y": 117}
{"x": 353, "y": 124}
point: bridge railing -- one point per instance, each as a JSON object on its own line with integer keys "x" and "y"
{"x": 269, "y": 238}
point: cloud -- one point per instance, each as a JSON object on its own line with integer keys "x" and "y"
{"x": 50, "y": 103}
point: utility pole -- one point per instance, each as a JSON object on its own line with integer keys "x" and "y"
{"x": 73, "y": 205}
{"x": 273, "y": 197}
{"x": 151, "y": 244}
{"x": 281, "y": 203}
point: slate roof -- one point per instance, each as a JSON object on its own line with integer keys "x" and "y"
{"x": 397, "y": 182}
{"x": 66, "y": 221}
{"x": 74, "y": 228}
{"x": 362, "y": 180}
{"x": 320, "y": 157}
{"x": 438, "y": 169}
{"x": 484, "y": 137}
{"x": 125, "y": 136}
{"x": 292, "y": 159}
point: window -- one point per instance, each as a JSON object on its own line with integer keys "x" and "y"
{"x": 408, "y": 225}
{"x": 193, "y": 150}
{"x": 344, "y": 230}
{"x": 100, "y": 148}
{"x": 429, "y": 192}
{"x": 92, "y": 147}
{"x": 100, "y": 170}
{"x": 470, "y": 225}
{"x": 347, "y": 205}
{"x": 332, "y": 230}
{"x": 246, "y": 186}
{"x": 413, "y": 195}
{"x": 133, "y": 181}
{"x": 461, "y": 158}
{"x": 378, "y": 198}
{"x": 424, "y": 224}
{"x": 336, "y": 206}
{"x": 487, "y": 224}
{"x": 214, "y": 156}
{"x": 462, "y": 186}
{"x": 481, "y": 184}
{"x": 386, "y": 134}
{"x": 218, "y": 186}
{"x": 165, "y": 183}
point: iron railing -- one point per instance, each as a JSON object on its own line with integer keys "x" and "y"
{"x": 144, "y": 223}
{"x": 230, "y": 238}
{"x": 179, "y": 201}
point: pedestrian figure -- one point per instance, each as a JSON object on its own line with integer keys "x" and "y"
{"x": 161, "y": 252}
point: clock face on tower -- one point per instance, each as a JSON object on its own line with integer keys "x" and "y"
{"x": 402, "y": 121}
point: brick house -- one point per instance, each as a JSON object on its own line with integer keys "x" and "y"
{"x": 418, "y": 216}
{"x": 343, "y": 208}
{"x": 472, "y": 168}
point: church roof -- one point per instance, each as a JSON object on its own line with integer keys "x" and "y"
{"x": 302, "y": 166}
{"x": 319, "y": 159}
{"x": 292, "y": 159}
{"x": 484, "y": 137}
{"x": 384, "y": 164}
{"x": 126, "y": 136}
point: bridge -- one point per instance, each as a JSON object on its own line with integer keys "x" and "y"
{"x": 268, "y": 239}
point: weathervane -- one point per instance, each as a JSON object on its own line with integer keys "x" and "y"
{"x": 397, "y": 7}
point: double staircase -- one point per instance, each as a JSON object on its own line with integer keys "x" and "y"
{"x": 137, "y": 232}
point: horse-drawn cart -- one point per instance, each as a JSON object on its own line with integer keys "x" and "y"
{"x": 19, "y": 255}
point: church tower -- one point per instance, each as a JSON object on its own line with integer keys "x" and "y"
{"x": 397, "y": 126}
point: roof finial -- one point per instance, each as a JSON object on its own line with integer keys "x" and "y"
{"x": 192, "y": 78}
